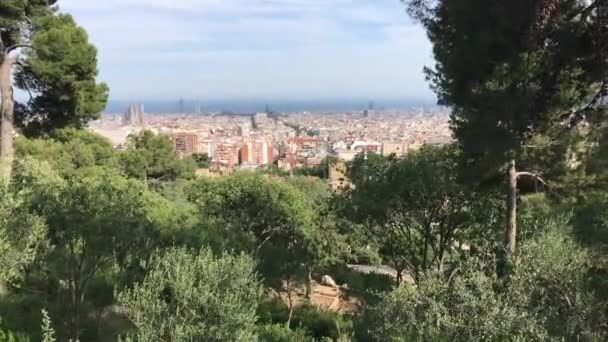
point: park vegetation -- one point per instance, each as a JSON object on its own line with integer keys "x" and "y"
{"x": 500, "y": 236}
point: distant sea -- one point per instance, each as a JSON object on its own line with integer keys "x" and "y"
{"x": 260, "y": 105}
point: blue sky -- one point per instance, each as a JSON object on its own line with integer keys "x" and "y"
{"x": 289, "y": 49}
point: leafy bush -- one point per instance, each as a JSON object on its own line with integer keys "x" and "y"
{"x": 366, "y": 287}
{"x": 273, "y": 311}
{"x": 551, "y": 281}
{"x": 8, "y": 336}
{"x": 545, "y": 299}
{"x": 322, "y": 323}
{"x": 591, "y": 220}
{"x": 281, "y": 333}
{"x": 194, "y": 296}
{"x": 465, "y": 310}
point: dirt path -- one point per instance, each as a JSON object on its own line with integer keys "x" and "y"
{"x": 326, "y": 297}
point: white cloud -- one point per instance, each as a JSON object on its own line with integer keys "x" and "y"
{"x": 254, "y": 47}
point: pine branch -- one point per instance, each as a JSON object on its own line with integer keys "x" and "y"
{"x": 533, "y": 175}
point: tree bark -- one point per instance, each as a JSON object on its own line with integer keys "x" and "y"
{"x": 290, "y": 316}
{"x": 425, "y": 249}
{"x": 399, "y": 277}
{"x": 76, "y": 294}
{"x": 309, "y": 284}
{"x": 511, "y": 229}
{"x": 290, "y": 304}
{"x": 76, "y": 317}
{"x": 7, "y": 111}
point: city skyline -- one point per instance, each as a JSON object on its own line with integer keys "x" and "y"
{"x": 285, "y": 49}
{"x": 253, "y": 105}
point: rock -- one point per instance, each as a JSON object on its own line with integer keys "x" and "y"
{"x": 328, "y": 281}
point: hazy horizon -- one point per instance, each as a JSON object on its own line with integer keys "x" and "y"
{"x": 239, "y": 105}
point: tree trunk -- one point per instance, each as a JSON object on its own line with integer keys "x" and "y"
{"x": 511, "y": 229}
{"x": 7, "y": 108}
{"x": 309, "y": 284}
{"x": 75, "y": 327}
{"x": 425, "y": 249}
{"x": 290, "y": 304}
{"x": 98, "y": 316}
{"x": 440, "y": 262}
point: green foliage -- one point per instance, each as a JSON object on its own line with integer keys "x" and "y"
{"x": 202, "y": 160}
{"x": 272, "y": 310}
{"x": 21, "y": 236}
{"x": 326, "y": 244}
{"x": 57, "y": 68}
{"x": 260, "y": 215}
{"x": 61, "y": 71}
{"x": 100, "y": 294}
{"x": 513, "y": 71}
{"x": 273, "y": 170}
{"x": 176, "y": 220}
{"x": 316, "y": 190}
{"x": 48, "y": 334}
{"x": 97, "y": 220}
{"x": 151, "y": 157}
{"x": 366, "y": 287}
{"x": 545, "y": 300}
{"x": 591, "y": 219}
{"x": 14, "y": 15}
{"x": 320, "y": 171}
{"x": 97, "y": 215}
{"x": 540, "y": 214}
{"x": 322, "y": 324}
{"x": 596, "y": 162}
{"x": 7, "y": 336}
{"x": 70, "y": 151}
{"x": 551, "y": 280}
{"x": 466, "y": 310}
{"x": 281, "y": 333}
{"x": 73, "y": 183}
{"x": 196, "y": 297}
{"x": 80, "y": 221}
{"x": 308, "y": 323}
{"x": 414, "y": 207}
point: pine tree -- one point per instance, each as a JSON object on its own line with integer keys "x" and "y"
{"x": 52, "y": 58}
{"x": 521, "y": 78}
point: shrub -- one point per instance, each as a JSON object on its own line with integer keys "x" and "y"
{"x": 195, "y": 296}
{"x": 322, "y": 323}
{"x": 281, "y": 333}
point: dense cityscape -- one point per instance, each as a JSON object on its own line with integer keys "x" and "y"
{"x": 288, "y": 140}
